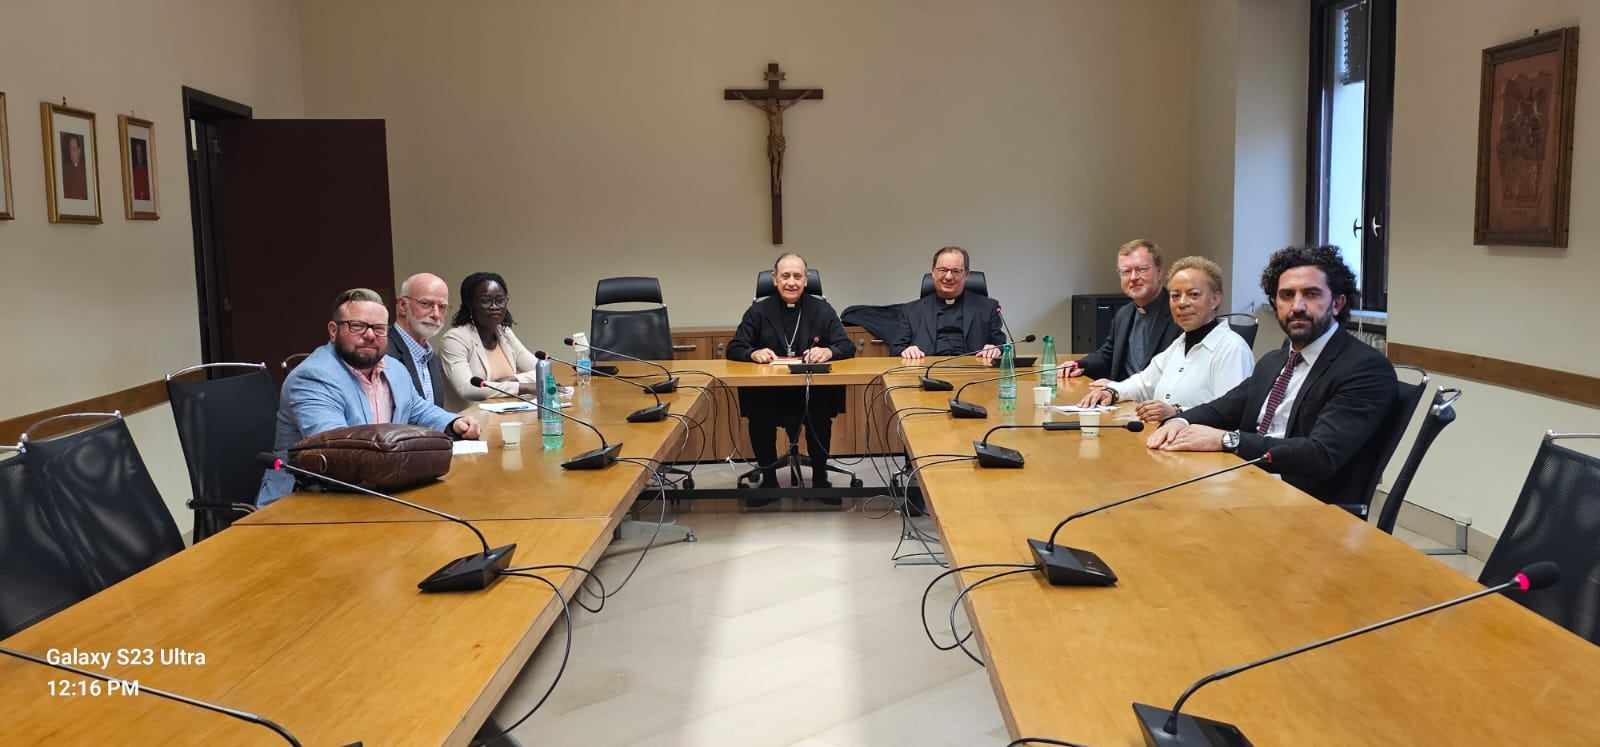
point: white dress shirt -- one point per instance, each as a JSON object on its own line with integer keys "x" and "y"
{"x": 1185, "y": 378}
{"x": 1308, "y": 358}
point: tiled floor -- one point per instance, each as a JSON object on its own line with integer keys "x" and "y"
{"x": 774, "y": 628}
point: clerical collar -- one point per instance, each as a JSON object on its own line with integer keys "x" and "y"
{"x": 1193, "y": 337}
{"x": 949, "y": 301}
{"x": 788, "y": 305}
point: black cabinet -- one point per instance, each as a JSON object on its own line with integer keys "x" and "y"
{"x": 1091, "y": 319}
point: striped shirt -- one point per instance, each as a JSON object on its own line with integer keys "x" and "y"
{"x": 422, "y": 354}
{"x": 376, "y": 386}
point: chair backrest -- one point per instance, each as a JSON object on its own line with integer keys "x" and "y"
{"x": 39, "y": 573}
{"x": 96, "y": 485}
{"x": 289, "y": 363}
{"x": 640, "y": 333}
{"x": 975, "y": 283}
{"x": 222, "y": 424}
{"x": 1440, "y": 414}
{"x": 765, "y": 287}
{"x": 1243, "y": 325}
{"x": 1407, "y": 397}
{"x": 1556, "y": 518}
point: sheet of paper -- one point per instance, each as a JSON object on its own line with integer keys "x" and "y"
{"x": 501, "y": 408}
{"x": 1075, "y": 408}
{"x": 469, "y": 447}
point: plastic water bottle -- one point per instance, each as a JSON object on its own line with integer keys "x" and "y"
{"x": 1008, "y": 378}
{"x": 549, "y": 417}
{"x": 580, "y": 347}
{"x": 1047, "y": 364}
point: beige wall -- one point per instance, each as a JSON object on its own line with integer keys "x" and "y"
{"x": 561, "y": 142}
{"x": 1520, "y": 304}
{"x": 101, "y": 308}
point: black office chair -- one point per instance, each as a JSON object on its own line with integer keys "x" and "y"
{"x": 39, "y": 573}
{"x": 975, "y": 283}
{"x": 1393, "y": 428}
{"x": 95, "y": 484}
{"x": 766, "y": 287}
{"x": 289, "y": 363}
{"x": 1557, "y": 517}
{"x": 1243, "y": 325}
{"x": 642, "y": 333}
{"x": 1440, "y": 414}
{"x": 222, "y": 424}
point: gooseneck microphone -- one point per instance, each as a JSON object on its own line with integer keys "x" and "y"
{"x": 599, "y": 458}
{"x": 652, "y": 414}
{"x": 661, "y": 387}
{"x": 1170, "y": 727}
{"x": 930, "y": 384}
{"x": 469, "y": 573}
{"x": 959, "y": 409}
{"x": 1070, "y": 566}
{"x": 993, "y": 455}
{"x": 139, "y": 688}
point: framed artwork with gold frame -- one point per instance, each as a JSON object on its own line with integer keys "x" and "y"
{"x": 71, "y": 164}
{"x": 1525, "y": 133}
{"x": 5, "y": 164}
{"x": 141, "y": 199}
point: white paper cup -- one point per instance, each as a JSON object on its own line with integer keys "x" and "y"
{"x": 1041, "y": 397}
{"x": 511, "y": 434}
{"x": 1087, "y": 419}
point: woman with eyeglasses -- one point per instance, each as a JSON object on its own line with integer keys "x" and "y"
{"x": 480, "y": 343}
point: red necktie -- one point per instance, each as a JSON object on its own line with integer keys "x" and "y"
{"x": 1279, "y": 389}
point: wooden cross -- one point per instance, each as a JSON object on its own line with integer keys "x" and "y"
{"x": 773, "y": 101}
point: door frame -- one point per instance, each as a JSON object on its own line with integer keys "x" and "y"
{"x": 210, "y": 257}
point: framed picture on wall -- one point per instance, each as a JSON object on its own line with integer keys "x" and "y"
{"x": 1525, "y": 140}
{"x": 71, "y": 164}
{"x": 5, "y": 164}
{"x": 140, "y": 201}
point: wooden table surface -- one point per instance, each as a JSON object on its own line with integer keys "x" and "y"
{"x": 1217, "y": 574}
{"x": 317, "y": 627}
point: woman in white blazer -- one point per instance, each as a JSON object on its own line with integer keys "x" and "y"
{"x": 1206, "y": 361}
{"x": 480, "y": 343}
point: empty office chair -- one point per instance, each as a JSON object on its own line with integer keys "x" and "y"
{"x": 222, "y": 424}
{"x": 289, "y": 363}
{"x": 1393, "y": 428}
{"x": 641, "y": 333}
{"x": 94, "y": 483}
{"x": 1244, "y": 325}
{"x": 975, "y": 283}
{"x": 39, "y": 574}
{"x": 765, "y": 287}
{"x": 1440, "y": 414}
{"x": 1557, "y": 517}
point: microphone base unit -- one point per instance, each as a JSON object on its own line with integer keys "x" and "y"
{"x": 993, "y": 456}
{"x": 651, "y": 414}
{"x": 663, "y": 387}
{"x": 810, "y": 368}
{"x": 959, "y": 409}
{"x": 600, "y": 458}
{"x": 471, "y": 573}
{"x": 1193, "y": 731}
{"x": 930, "y": 384}
{"x": 1069, "y": 566}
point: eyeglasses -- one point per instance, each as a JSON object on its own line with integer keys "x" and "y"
{"x": 1140, "y": 270}
{"x": 428, "y": 306}
{"x": 359, "y": 328}
{"x": 492, "y": 302}
{"x": 949, "y": 271}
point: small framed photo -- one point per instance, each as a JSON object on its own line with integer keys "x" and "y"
{"x": 71, "y": 164}
{"x": 140, "y": 200}
{"x": 5, "y": 164}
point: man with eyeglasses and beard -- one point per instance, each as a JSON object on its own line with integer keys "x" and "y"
{"x": 419, "y": 313}
{"x": 1319, "y": 403}
{"x": 347, "y": 382}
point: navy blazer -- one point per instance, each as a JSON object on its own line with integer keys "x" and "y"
{"x": 980, "y": 316}
{"x": 1106, "y": 363}
{"x": 1332, "y": 443}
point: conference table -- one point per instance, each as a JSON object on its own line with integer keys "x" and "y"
{"x": 307, "y": 611}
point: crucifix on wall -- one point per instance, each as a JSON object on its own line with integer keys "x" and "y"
{"x": 773, "y": 101}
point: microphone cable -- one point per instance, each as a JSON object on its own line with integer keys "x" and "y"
{"x": 960, "y": 640}
{"x": 566, "y": 655}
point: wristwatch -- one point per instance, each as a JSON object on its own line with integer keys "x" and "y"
{"x": 1230, "y": 441}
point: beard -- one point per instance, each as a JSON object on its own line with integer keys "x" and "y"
{"x": 427, "y": 327}
{"x": 1307, "y": 334}
{"x": 358, "y": 358}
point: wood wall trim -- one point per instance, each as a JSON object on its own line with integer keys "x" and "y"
{"x": 128, "y": 401}
{"x": 1546, "y": 382}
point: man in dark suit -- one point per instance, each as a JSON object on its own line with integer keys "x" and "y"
{"x": 1317, "y": 404}
{"x": 1140, "y": 329}
{"x": 419, "y": 313}
{"x": 950, "y": 321}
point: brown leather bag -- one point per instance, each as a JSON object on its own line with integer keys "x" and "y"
{"x": 382, "y": 457}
